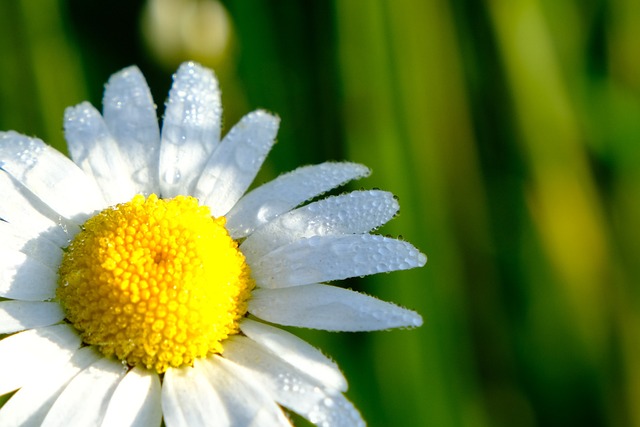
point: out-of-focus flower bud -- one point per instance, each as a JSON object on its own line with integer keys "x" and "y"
{"x": 178, "y": 30}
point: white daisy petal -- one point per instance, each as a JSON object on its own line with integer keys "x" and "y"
{"x": 25, "y": 278}
{"x": 40, "y": 248}
{"x": 48, "y": 174}
{"x": 327, "y": 258}
{"x": 297, "y": 352}
{"x": 189, "y": 400}
{"x": 30, "y": 404}
{"x": 191, "y": 128}
{"x": 286, "y": 192}
{"x": 291, "y": 387}
{"x": 31, "y": 354}
{"x": 351, "y": 213}
{"x": 246, "y": 403}
{"x": 130, "y": 115}
{"x": 20, "y": 315}
{"x": 329, "y": 308}
{"x": 235, "y": 163}
{"x": 92, "y": 147}
{"x": 136, "y": 401}
{"x": 83, "y": 402}
{"x": 25, "y": 212}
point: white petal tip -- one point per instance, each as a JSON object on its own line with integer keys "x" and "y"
{"x": 267, "y": 115}
{"x": 80, "y": 116}
{"x": 413, "y": 319}
{"x": 362, "y": 170}
{"x": 261, "y": 121}
{"x": 413, "y": 258}
{"x": 126, "y": 73}
{"x": 196, "y": 71}
{"x": 422, "y": 260}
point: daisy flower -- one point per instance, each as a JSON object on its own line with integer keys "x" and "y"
{"x": 139, "y": 284}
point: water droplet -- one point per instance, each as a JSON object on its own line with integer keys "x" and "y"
{"x": 245, "y": 159}
{"x": 172, "y": 176}
{"x": 360, "y": 258}
{"x": 141, "y": 176}
{"x": 290, "y": 222}
{"x": 174, "y": 134}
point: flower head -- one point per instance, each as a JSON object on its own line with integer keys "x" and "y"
{"x": 136, "y": 278}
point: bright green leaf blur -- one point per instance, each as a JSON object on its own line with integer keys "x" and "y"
{"x": 509, "y": 130}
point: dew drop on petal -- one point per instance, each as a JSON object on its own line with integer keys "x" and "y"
{"x": 171, "y": 176}
{"x": 245, "y": 159}
{"x": 141, "y": 176}
{"x": 328, "y": 402}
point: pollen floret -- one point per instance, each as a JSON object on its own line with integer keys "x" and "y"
{"x": 155, "y": 282}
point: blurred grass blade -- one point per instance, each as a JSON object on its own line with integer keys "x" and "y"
{"x": 408, "y": 119}
{"x": 41, "y": 74}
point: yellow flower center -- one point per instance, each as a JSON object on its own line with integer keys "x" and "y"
{"x": 155, "y": 282}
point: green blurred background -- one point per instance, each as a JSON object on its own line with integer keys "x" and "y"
{"x": 509, "y": 129}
